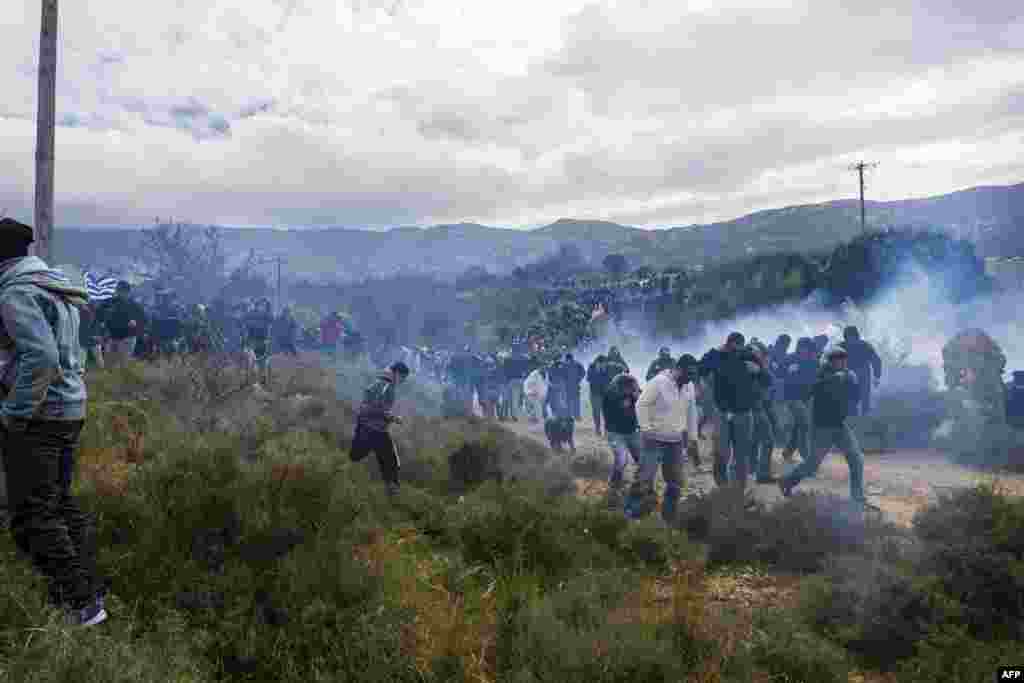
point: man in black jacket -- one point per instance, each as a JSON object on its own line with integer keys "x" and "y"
{"x": 574, "y": 374}
{"x": 865, "y": 363}
{"x": 515, "y": 366}
{"x": 664, "y": 361}
{"x": 597, "y": 379}
{"x": 735, "y": 372}
{"x": 799, "y": 374}
{"x": 125, "y": 321}
{"x": 834, "y": 395}
{"x": 619, "y": 407}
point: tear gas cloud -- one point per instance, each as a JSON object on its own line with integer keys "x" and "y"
{"x": 911, "y": 321}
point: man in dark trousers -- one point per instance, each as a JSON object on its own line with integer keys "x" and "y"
{"x": 865, "y": 363}
{"x": 1015, "y": 401}
{"x": 597, "y": 379}
{"x": 41, "y": 417}
{"x": 799, "y": 374}
{"x": 125, "y": 320}
{"x": 574, "y": 374}
{"x": 373, "y": 421}
{"x": 619, "y": 407}
{"x": 664, "y": 361}
{"x": 735, "y": 372}
{"x": 834, "y": 395}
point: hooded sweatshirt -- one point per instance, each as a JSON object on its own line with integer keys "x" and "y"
{"x": 378, "y": 401}
{"x": 665, "y": 410}
{"x": 40, "y": 329}
{"x": 620, "y": 417}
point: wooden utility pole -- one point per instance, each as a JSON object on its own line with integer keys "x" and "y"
{"x": 45, "y": 131}
{"x": 860, "y": 167}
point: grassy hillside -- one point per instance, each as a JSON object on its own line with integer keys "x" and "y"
{"x": 242, "y": 545}
{"x": 992, "y": 216}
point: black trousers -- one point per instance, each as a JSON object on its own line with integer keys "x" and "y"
{"x": 46, "y": 522}
{"x": 380, "y": 444}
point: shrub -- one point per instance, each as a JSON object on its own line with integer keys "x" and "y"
{"x": 877, "y": 611}
{"x": 950, "y": 654}
{"x": 785, "y": 649}
{"x": 798, "y": 534}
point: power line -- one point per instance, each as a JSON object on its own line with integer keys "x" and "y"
{"x": 860, "y": 167}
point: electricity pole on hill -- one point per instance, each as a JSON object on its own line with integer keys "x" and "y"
{"x": 860, "y": 167}
{"x": 45, "y": 128}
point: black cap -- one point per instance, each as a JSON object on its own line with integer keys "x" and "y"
{"x": 9, "y": 226}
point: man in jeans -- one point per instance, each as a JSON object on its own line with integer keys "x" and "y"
{"x": 799, "y": 373}
{"x": 734, "y": 374}
{"x": 373, "y": 421}
{"x": 618, "y": 404}
{"x": 835, "y": 396}
{"x": 41, "y": 415}
{"x": 668, "y": 421}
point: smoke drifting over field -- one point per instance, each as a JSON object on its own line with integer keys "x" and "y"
{"x": 911, "y": 322}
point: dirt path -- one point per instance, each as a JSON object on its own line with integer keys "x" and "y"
{"x": 898, "y": 481}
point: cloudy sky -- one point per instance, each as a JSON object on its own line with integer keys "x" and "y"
{"x": 372, "y": 113}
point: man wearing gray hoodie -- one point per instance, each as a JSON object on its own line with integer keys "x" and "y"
{"x": 42, "y": 411}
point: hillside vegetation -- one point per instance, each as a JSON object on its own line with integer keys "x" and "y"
{"x": 992, "y": 217}
{"x": 242, "y": 545}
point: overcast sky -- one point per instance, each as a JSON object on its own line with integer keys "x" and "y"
{"x": 373, "y": 113}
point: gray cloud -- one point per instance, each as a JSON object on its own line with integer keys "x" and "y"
{"x": 375, "y": 113}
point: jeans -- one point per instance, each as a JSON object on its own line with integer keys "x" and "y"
{"x": 823, "y": 439}
{"x": 380, "y": 444}
{"x": 623, "y": 445}
{"x": 800, "y": 434}
{"x": 46, "y": 522}
{"x": 735, "y": 441}
{"x": 513, "y": 397}
{"x": 763, "y": 444}
{"x": 573, "y": 402}
{"x": 642, "y": 498}
{"x": 864, "y": 390}
{"x": 596, "y": 403}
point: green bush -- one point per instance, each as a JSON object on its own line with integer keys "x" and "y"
{"x": 950, "y": 654}
{"x": 788, "y": 651}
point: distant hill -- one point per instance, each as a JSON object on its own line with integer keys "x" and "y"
{"x": 992, "y": 217}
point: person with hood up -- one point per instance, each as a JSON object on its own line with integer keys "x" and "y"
{"x": 616, "y": 363}
{"x": 535, "y": 388}
{"x": 597, "y": 380}
{"x": 664, "y": 361}
{"x": 516, "y": 368}
{"x": 558, "y": 400}
{"x": 865, "y": 363}
{"x": 798, "y": 378}
{"x": 618, "y": 403}
{"x": 834, "y": 395}
{"x": 574, "y": 374}
{"x": 41, "y": 414}
{"x": 373, "y": 421}
{"x": 668, "y": 422}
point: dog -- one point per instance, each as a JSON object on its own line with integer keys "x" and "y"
{"x": 560, "y": 432}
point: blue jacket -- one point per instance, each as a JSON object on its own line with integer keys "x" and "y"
{"x": 39, "y": 323}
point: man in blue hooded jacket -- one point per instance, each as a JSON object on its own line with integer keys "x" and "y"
{"x": 42, "y": 411}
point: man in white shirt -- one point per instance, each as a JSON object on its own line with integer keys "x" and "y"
{"x": 667, "y": 416}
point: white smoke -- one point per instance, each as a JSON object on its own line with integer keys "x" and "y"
{"x": 910, "y": 323}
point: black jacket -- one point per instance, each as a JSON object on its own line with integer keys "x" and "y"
{"x": 597, "y": 376}
{"x": 834, "y": 394}
{"x": 799, "y": 376}
{"x": 574, "y": 373}
{"x": 863, "y": 358}
{"x": 737, "y": 387}
{"x": 516, "y": 366}
{"x": 620, "y": 418}
{"x": 660, "y": 363}
{"x": 117, "y": 313}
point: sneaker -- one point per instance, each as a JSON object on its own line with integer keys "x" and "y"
{"x": 92, "y": 614}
